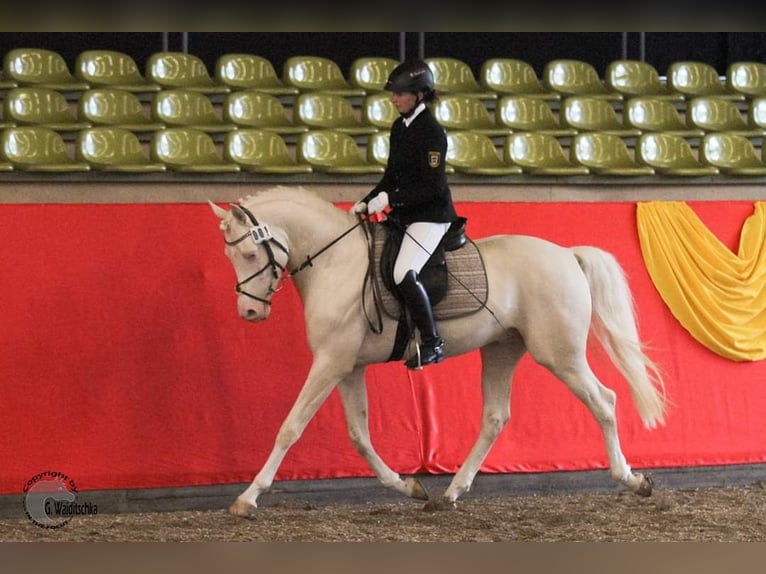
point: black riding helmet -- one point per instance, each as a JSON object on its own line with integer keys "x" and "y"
{"x": 411, "y": 76}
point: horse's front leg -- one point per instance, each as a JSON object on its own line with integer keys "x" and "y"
{"x": 353, "y": 394}
{"x": 326, "y": 371}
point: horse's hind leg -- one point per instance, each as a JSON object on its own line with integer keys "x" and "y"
{"x": 498, "y": 361}
{"x": 353, "y": 394}
{"x": 601, "y": 401}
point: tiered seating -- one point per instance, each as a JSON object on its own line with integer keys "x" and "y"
{"x": 251, "y": 72}
{"x": 459, "y": 112}
{"x": 331, "y": 151}
{"x": 694, "y": 79}
{"x": 255, "y": 109}
{"x": 475, "y": 154}
{"x": 181, "y": 70}
{"x": 633, "y": 78}
{"x": 35, "y": 106}
{"x": 530, "y": 114}
{"x": 510, "y": 76}
{"x": 589, "y": 114}
{"x": 116, "y": 108}
{"x": 576, "y": 78}
{"x": 261, "y": 151}
{"x": 114, "y": 149}
{"x": 533, "y": 124}
{"x": 453, "y": 76}
{"x": 42, "y": 69}
{"x": 671, "y": 154}
{"x": 114, "y": 70}
{"x": 314, "y": 73}
{"x": 324, "y": 110}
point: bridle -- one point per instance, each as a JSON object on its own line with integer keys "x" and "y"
{"x": 261, "y": 234}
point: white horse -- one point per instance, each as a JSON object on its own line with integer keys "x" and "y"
{"x": 543, "y": 299}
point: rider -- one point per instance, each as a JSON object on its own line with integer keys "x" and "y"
{"x": 414, "y": 186}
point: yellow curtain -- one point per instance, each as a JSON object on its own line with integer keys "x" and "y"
{"x": 719, "y": 297}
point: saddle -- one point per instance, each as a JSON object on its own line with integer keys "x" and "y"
{"x": 454, "y": 277}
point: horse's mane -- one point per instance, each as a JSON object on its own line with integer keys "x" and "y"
{"x": 283, "y": 193}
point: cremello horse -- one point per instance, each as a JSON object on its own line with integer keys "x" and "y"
{"x": 544, "y": 299}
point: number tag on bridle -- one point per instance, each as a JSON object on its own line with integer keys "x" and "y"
{"x": 260, "y": 233}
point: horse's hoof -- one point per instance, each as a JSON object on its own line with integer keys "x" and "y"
{"x": 416, "y": 489}
{"x": 647, "y": 483}
{"x": 436, "y": 505}
{"x": 242, "y": 509}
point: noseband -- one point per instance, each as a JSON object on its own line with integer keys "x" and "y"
{"x": 260, "y": 235}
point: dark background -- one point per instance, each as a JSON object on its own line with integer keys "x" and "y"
{"x": 598, "y": 48}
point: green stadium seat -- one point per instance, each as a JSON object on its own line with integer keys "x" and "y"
{"x": 530, "y": 114}
{"x": 116, "y": 107}
{"x": 633, "y": 78}
{"x": 511, "y": 76}
{"x": 334, "y": 152}
{"x": 329, "y": 111}
{"x": 40, "y": 68}
{"x": 180, "y": 70}
{"x": 112, "y": 69}
{"x": 261, "y": 151}
{"x": 540, "y": 154}
{"x": 606, "y": 154}
{"x": 732, "y": 154}
{"x": 315, "y": 73}
{"x": 650, "y": 114}
{"x": 475, "y": 154}
{"x": 459, "y": 112}
{"x": 251, "y": 72}
{"x": 371, "y": 73}
{"x": 188, "y": 108}
{"x": 695, "y": 79}
{"x": 671, "y": 154}
{"x": 747, "y": 78}
{"x": 189, "y": 150}
{"x": 571, "y": 77}
{"x": 41, "y": 106}
{"x": 38, "y": 149}
{"x": 259, "y": 110}
{"x": 453, "y": 76}
{"x": 114, "y": 149}
{"x": 715, "y": 114}
{"x": 586, "y": 113}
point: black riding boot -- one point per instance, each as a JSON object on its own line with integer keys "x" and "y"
{"x": 416, "y": 300}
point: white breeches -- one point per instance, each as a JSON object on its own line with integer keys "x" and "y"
{"x": 419, "y": 242}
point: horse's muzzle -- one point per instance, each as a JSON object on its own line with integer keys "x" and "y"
{"x": 251, "y": 310}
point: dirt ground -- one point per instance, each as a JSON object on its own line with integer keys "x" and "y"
{"x": 735, "y": 514}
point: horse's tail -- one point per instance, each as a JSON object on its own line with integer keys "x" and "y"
{"x": 615, "y": 326}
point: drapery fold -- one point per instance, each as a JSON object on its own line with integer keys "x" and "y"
{"x": 718, "y": 296}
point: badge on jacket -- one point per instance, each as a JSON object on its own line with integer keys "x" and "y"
{"x": 434, "y": 157}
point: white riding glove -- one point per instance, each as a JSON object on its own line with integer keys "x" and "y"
{"x": 378, "y": 203}
{"x": 358, "y": 207}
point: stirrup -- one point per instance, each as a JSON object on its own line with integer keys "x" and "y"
{"x": 420, "y": 360}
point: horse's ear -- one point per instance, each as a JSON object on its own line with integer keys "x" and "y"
{"x": 239, "y": 215}
{"x": 219, "y": 211}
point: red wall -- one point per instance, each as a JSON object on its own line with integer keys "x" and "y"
{"x": 124, "y": 364}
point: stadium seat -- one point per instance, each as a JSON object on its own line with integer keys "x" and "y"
{"x": 606, "y": 154}
{"x": 756, "y": 114}
{"x": 186, "y": 108}
{"x": 526, "y": 114}
{"x": 112, "y": 69}
{"x": 41, "y": 106}
{"x": 453, "y": 76}
{"x": 5, "y": 83}
{"x": 378, "y": 110}
{"x": 586, "y": 113}
{"x": 251, "y": 72}
{"x": 40, "y": 68}
{"x": 540, "y": 154}
{"x": 371, "y": 73}
{"x": 693, "y": 79}
{"x": 40, "y": 149}
{"x": 259, "y": 110}
{"x": 732, "y": 154}
{"x": 576, "y": 78}
{"x": 378, "y": 146}
{"x": 114, "y": 149}
{"x": 312, "y": 73}
{"x": 189, "y": 150}
{"x": 475, "y": 154}
{"x": 650, "y": 114}
{"x": 670, "y": 154}
{"x": 459, "y": 112}
{"x": 328, "y": 111}
{"x": 510, "y": 76}
{"x": 117, "y": 108}
{"x": 714, "y": 114}
{"x": 334, "y": 152}
{"x": 180, "y": 70}
{"x": 261, "y": 151}
{"x": 633, "y": 78}
{"x": 747, "y": 78}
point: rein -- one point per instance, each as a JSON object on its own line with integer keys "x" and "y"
{"x": 261, "y": 234}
